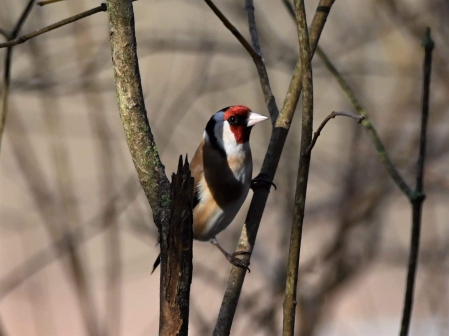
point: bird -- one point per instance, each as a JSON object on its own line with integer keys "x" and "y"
{"x": 222, "y": 170}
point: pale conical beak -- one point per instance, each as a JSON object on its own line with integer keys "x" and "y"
{"x": 255, "y": 118}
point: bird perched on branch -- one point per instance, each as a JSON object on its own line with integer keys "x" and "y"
{"x": 222, "y": 168}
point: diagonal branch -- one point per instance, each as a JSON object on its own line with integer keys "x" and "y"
{"x": 260, "y": 64}
{"x": 26, "y": 37}
{"x": 254, "y": 51}
{"x": 269, "y": 166}
{"x": 47, "y": 2}
{"x": 251, "y": 51}
{"x": 367, "y": 124}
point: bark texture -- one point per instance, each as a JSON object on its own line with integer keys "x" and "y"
{"x": 176, "y": 257}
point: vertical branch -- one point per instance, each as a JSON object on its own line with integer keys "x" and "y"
{"x": 278, "y": 137}
{"x": 418, "y": 195}
{"x": 176, "y": 257}
{"x": 171, "y": 205}
{"x": 137, "y": 129}
{"x": 303, "y": 172}
{"x": 7, "y": 69}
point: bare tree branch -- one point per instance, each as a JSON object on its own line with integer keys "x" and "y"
{"x": 171, "y": 205}
{"x": 137, "y": 129}
{"x": 254, "y": 51}
{"x": 47, "y": 2}
{"x": 418, "y": 196}
{"x": 260, "y": 64}
{"x": 7, "y": 72}
{"x": 251, "y": 51}
{"x": 372, "y": 133}
{"x": 176, "y": 257}
{"x": 21, "y": 39}
{"x": 269, "y": 166}
{"x": 334, "y": 114}
{"x": 289, "y": 312}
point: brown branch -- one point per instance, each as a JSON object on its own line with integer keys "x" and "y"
{"x": 289, "y": 311}
{"x": 278, "y": 137}
{"x": 21, "y": 39}
{"x": 367, "y": 124}
{"x": 171, "y": 205}
{"x": 260, "y": 64}
{"x": 47, "y": 2}
{"x": 176, "y": 257}
{"x": 418, "y": 196}
{"x": 292, "y": 97}
{"x": 137, "y": 129}
{"x": 357, "y": 117}
{"x": 253, "y": 53}
{"x": 7, "y": 72}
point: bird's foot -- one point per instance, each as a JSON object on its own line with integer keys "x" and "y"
{"x": 232, "y": 258}
{"x": 236, "y": 261}
{"x": 262, "y": 181}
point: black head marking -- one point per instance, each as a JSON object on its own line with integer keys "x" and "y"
{"x": 211, "y": 134}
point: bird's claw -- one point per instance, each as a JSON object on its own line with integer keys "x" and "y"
{"x": 238, "y": 262}
{"x": 262, "y": 180}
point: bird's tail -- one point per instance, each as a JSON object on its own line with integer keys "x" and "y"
{"x": 156, "y": 263}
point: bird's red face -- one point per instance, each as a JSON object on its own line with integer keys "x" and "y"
{"x": 241, "y": 120}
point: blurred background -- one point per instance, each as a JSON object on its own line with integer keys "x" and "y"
{"x": 77, "y": 238}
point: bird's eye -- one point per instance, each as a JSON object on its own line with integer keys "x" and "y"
{"x": 232, "y": 120}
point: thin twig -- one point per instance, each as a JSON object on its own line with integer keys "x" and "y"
{"x": 47, "y": 2}
{"x": 278, "y": 137}
{"x": 7, "y": 72}
{"x": 26, "y": 37}
{"x": 26, "y": 12}
{"x": 289, "y": 311}
{"x": 357, "y": 117}
{"x": 367, "y": 124}
{"x": 260, "y": 64}
{"x": 418, "y": 196}
{"x": 253, "y": 53}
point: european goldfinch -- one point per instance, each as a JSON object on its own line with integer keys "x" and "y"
{"x": 222, "y": 168}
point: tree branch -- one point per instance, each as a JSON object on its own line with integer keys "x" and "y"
{"x": 357, "y": 117}
{"x": 47, "y": 2}
{"x": 292, "y": 97}
{"x": 254, "y": 51}
{"x": 269, "y": 166}
{"x": 251, "y": 51}
{"x": 171, "y": 205}
{"x": 367, "y": 124}
{"x": 303, "y": 172}
{"x": 418, "y": 196}
{"x": 21, "y": 39}
{"x": 7, "y": 72}
{"x": 176, "y": 257}
{"x": 137, "y": 129}
{"x": 260, "y": 64}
